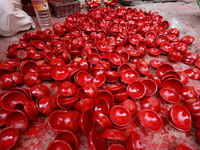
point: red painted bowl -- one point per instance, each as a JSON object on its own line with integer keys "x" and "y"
{"x": 154, "y": 52}
{"x": 39, "y": 44}
{"x": 30, "y": 109}
{"x": 120, "y": 116}
{"x": 134, "y": 142}
{"x": 187, "y": 39}
{"x": 125, "y": 66}
{"x": 173, "y": 84}
{"x": 83, "y": 78}
{"x": 90, "y": 90}
{"x": 156, "y": 79}
{"x": 94, "y": 58}
{"x": 155, "y": 63}
{"x": 81, "y": 93}
{"x": 95, "y": 141}
{"x": 180, "y": 116}
{"x": 71, "y": 120}
{"x": 143, "y": 68}
{"x": 115, "y": 59}
{"x": 102, "y": 106}
{"x": 11, "y": 99}
{"x": 101, "y": 120}
{"x": 122, "y": 96}
{"x": 3, "y": 115}
{"x": 6, "y": 82}
{"x": 8, "y": 137}
{"x": 68, "y": 137}
{"x": 189, "y": 92}
{"x": 84, "y": 104}
{"x": 40, "y": 90}
{"x": 193, "y": 105}
{"x": 67, "y": 102}
{"x": 59, "y": 145}
{"x": 55, "y": 120}
{"x": 113, "y": 134}
{"x": 46, "y": 104}
{"x": 128, "y": 76}
{"x": 111, "y": 76}
{"x": 17, "y": 119}
{"x": 67, "y": 89}
{"x": 175, "y": 127}
{"x": 136, "y": 90}
{"x": 163, "y": 68}
{"x": 151, "y": 120}
{"x": 183, "y": 77}
{"x": 18, "y": 78}
{"x": 169, "y": 95}
{"x": 99, "y": 80}
{"x": 150, "y": 103}
{"x": 28, "y": 66}
{"x": 31, "y": 78}
{"x": 131, "y": 106}
{"x": 116, "y": 88}
{"x": 151, "y": 87}
{"x": 59, "y": 73}
{"x": 25, "y": 91}
{"x": 106, "y": 95}
{"x": 86, "y": 121}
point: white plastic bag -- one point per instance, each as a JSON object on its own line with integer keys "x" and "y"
{"x": 13, "y": 19}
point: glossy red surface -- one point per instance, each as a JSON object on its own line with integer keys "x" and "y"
{"x": 9, "y": 137}
{"x": 113, "y": 134}
{"x": 150, "y": 103}
{"x": 136, "y": 90}
{"x": 71, "y": 43}
{"x": 120, "y": 116}
{"x": 59, "y": 144}
{"x": 169, "y": 96}
{"x": 180, "y": 116}
{"x": 95, "y": 141}
{"x": 151, "y": 120}
{"x": 101, "y": 120}
{"x": 17, "y": 119}
{"x": 128, "y": 76}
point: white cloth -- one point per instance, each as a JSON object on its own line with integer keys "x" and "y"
{"x": 13, "y": 19}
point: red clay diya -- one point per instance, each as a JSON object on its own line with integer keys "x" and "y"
{"x": 8, "y": 137}
{"x": 67, "y": 89}
{"x": 163, "y": 68}
{"x": 113, "y": 134}
{"x": 17, "y": 119}
{"x": 102, "y": 106}
{"x": 95, "y": 141}
{"x": 120, "y": 116}
{"x": 150, "y": 86}
{"x": 86, "y": 122}
{"x": 180, "y": 116}
{"x": 68, "y": 137}
{"x": 169, "y": 96}
{"x": 128, "y": 76}
{"x": 12, "y": 99}
{"x": 136, "y": 90}
{"x": 151, "y": 120}
{"x": 150, "y": 103}
{"x": 101, "y": 120}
